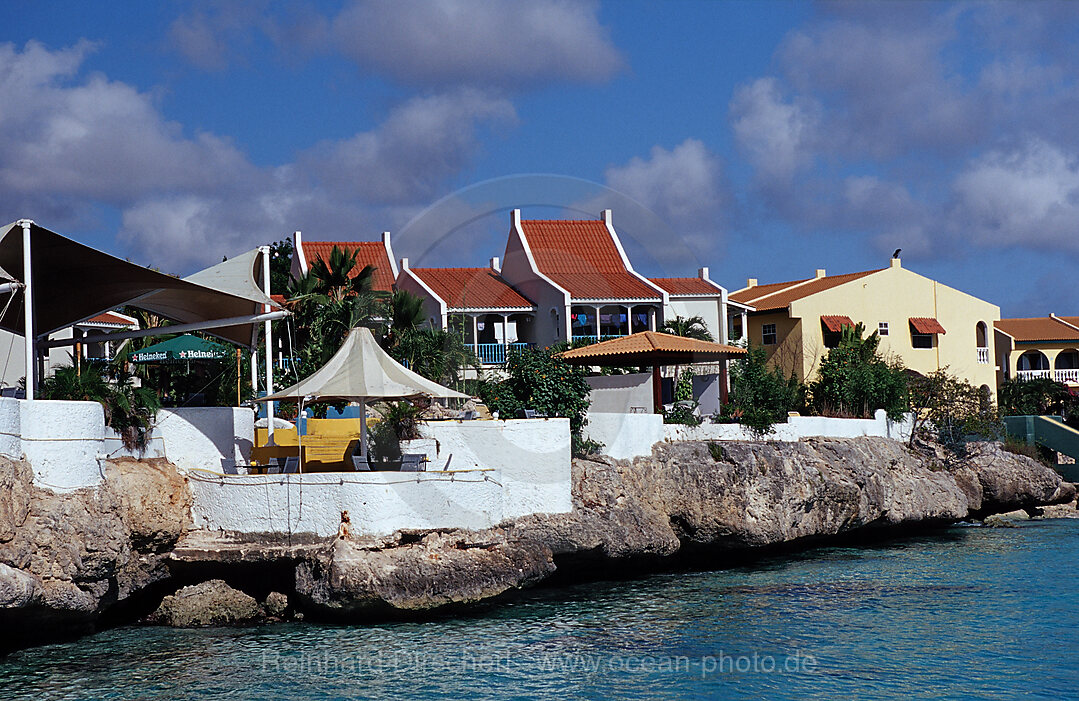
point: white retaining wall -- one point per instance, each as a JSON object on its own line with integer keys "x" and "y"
{"x": 65, "y": 442}
{"x": 378, "y": 503}
{"x": 480, "y": 473}
{"x": 626, "y": 436}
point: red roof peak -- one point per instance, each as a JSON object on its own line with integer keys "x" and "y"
{"x": 371, "y": 253}
{"x": 583, "y": 258}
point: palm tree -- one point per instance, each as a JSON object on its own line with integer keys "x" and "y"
{"x": 333, "y": 276}
{"x": 403, "y": 313}
{"x": 693, "y": 327}
{"x": 327, "y": 304}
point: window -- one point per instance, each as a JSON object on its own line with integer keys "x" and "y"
{"x": 768, "y": 334}
{"x": 921, "y": 340}
{"x": 882, "y": 328}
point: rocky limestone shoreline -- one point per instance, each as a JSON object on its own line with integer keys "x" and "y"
{"x": 125, "y": 552}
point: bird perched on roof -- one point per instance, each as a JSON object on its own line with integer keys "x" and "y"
{"x": 896, "y": 254}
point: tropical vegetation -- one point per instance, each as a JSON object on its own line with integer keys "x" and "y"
{"x": 129, "y": 409}
{"x": 855, "y": 380}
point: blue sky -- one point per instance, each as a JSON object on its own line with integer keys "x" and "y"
{"x": 762, "y": 139}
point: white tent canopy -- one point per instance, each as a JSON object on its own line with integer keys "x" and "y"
{"x": 362, "y": 371}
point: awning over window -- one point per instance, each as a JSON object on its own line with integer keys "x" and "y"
{"x": 835, "y": 323}
{"x": 926, "y": 324}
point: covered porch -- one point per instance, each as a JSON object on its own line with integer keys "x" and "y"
{"x": 594, "y": 322}
{"x": 1059, "y": 365}
{"x": 493, "y": 333}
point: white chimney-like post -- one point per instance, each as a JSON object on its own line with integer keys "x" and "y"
{"x": 268, "y": 333}
{"x": 821, "y": 272}
{"x": 30, "y": 348}
{"x": 494, "y": 264}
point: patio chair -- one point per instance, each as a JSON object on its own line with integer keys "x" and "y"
{"x": 469, "y": 415}
{"x": 528, "y": 413}
{"x": 360, "y": 464}
{"x": 292, "y": 465}
{"x": 412, "y": 462}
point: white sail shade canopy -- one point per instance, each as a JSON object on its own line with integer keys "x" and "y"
{"x": 362, "y": 371}
{"x": 74, "y": 282}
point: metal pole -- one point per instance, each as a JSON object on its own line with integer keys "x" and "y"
{"x": 363, "y": 429}
{"x": 254, "y": 373}
{"x": 268, "y": 333}
{"x": 28, "y": 311}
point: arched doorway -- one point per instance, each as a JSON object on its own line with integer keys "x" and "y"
{"x": 981, "y": 332}
{"x": 1066, "y": 366}
{"x": 1033, "y": 364}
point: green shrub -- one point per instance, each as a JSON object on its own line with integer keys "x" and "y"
{"x": 951, "y": 411}
{"x": 1037, "y": 397}
{"x": 760, "y": 397}
{"x": 538, "y": 379}
{"x": 854, "y": 380}
{"x": 129, "y": 410}
{"x": 682, "y": 413}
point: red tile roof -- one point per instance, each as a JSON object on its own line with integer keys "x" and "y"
{"x": 686, "y": 285}
{"x": 471, "y": 288}
{"x": 371, "y": 253}
{"x": 651, "y": 345}
{"x": 926, "y": 324}
{"x": 1043, "y": 328}
{"x": 110, "y": 318}
{"x": 581, "y": 257}
{"x": 780, "y": 294}
{"x": 835, "y": 323}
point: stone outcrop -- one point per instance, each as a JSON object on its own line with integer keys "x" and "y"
{"x": 68, "y": 559}
{"x": 211, "y": 603}
{"x": 681, "y": 501}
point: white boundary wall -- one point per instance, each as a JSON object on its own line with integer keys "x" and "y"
{"x": 65, "y": 442}
{"x": 480, "y": 474}
{"x": 626, "y": 436}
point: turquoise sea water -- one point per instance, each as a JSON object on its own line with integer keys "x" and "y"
{"x": 964, "y": 613}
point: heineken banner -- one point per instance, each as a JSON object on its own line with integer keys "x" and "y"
{"x": 182, "y": 349}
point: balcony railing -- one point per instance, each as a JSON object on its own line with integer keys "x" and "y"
{"x": 1069, "y": 375}
{"x": 495, "y": 353}
{"x": 596, "y": 339}
{"x": 983, "y": 356}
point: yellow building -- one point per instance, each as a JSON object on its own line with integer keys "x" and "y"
{"x": 925, "y": 324}
{"x": 1045, "y": 346}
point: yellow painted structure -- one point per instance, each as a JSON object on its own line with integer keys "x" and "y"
{"x": 1043, "y": 347}
{"x": 890, "y": 296}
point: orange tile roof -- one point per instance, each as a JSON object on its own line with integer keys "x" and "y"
{"x": 110, "y": 318}
{"x": 835, "y": 323}
{"x": 650, "y": 345}
{"x": 926, "y": 324}
{"x": 1042, "y": 328}
{"x": 780, "y": 294}
{"x": 371, "y": 253}
{"x": 686, "y": 285}
{"x": 581, "y": 256}
{"x": 471, "y": 288}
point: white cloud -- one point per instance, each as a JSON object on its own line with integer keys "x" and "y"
{"x": 776, "y": 135}
{"x": 683, "y": 186}
{"x": 70, "y": 145}
{"x": 406, "y": 158}
{"x": 1028, "y": 195}
{"x": 495, "y": 42}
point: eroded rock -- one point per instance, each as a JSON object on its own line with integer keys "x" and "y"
{"x": 210, "y": 603}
